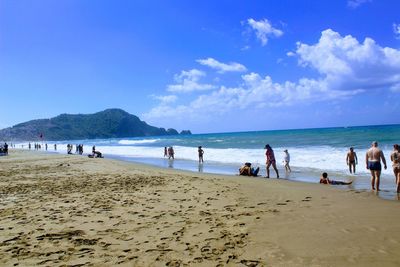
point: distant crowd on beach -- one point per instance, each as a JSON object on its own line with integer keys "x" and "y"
{"x": 70, "y": 148}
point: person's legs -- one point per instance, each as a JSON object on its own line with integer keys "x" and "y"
{"x": 354, "y": 167}
{"x": 377, "y": 178}
{"x": 276, "y": 169}
{"x": 373, "y": 180}
{"x": 255, "y": 172}
{"x": 398, "y": 182}
{"x": 350, "y": 167}
{"x": 268, "y": 165}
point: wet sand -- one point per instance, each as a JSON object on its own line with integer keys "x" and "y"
{"x": 60, "y": 210}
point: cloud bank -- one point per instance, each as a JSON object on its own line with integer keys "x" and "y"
{"x": 345, "y": 68}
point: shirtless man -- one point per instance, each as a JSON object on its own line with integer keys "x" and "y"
{"x": 395, "y": 157}
{"x": 373, "y": 159}
{"x": 352, "y": 160}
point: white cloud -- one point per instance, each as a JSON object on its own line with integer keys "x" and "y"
{"x": 264, "y": 30}
{"x": 290, "y": 54}
{"x": 166, "y": 99}
{"x": 347, "y": 64}
{"x": 188, "y": 81}
{"x": 396, "y": 30}
{"x": 357, "y": 3}
{"x": 222, "y": 67}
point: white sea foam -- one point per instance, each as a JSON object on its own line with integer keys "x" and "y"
{"x": 137, "y": 142}
{"x": 318, "y": 158}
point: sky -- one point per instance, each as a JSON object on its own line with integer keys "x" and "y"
{"x": 208, "y": 66}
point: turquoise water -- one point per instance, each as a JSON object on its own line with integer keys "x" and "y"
{"x": 312, "y": 152}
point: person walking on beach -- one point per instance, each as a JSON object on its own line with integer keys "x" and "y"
{"x": 55, "y": 146}
{"x": 325, "y": 180}
{"x": 351, "y": 160}
{"x": 271, "y": 160}
{"x": 286, "y": 161}
{"x": 373, "y": 159}
{"x": 395, "y": 157}
{"x": 201, "y": 153}
{"x": 171, "y": 152}
{"x": 165, "y": 152}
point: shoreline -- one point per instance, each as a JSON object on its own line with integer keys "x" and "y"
{"x": 58, "y": 209}
{"x": 361, "y": 182}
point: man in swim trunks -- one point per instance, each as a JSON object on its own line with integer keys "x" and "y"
{"x": 395, "y": 157}
{"x": 271, "y": 160}
{"x": 352, "y": 160}
{"x": 373, "y": 159}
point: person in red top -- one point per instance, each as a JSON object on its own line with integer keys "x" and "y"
{"x": 271, "y": 160}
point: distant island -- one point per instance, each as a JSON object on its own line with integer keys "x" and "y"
{"x": 110, "y": 123}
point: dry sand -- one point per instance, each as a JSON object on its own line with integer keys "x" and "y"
{"x": 59, "y": 210}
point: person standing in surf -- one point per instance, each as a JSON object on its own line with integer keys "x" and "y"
{"x": 201, "y": 153}
{"x": 286, "y": 161}
{"x": 270, "y": 160}
{"x": 351, "y": 160}
{"x": 395, "y": 157}
{"x": 373, "y": 159}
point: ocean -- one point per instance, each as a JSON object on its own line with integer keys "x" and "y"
{"x": 312, "y": 151}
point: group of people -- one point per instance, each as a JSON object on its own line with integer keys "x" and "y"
{"x": 79, "y": 149}
{"x": 95, "y": 153}
{"x": 374, "y": 159}
{"x": 38, "y": 146}
{"x": 169, "y": 152}
{"x": 4, "y": 149}
{"x": 247, "y": 170}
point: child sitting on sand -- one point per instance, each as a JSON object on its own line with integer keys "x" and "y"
{"x": 325, "y": 180}
{"x": 247, "y": 170}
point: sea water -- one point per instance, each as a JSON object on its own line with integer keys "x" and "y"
{"x": 312, "y": 151}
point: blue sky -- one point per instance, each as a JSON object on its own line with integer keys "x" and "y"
{"x": 207, "y": 66}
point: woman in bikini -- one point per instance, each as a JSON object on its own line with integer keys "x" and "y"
{"x": 271, "y": 160}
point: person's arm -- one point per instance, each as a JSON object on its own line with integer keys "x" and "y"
{"x": 366, "y": 160}
{"x": 355, "y": 156}
{"x": 383, "y": 160}
{"x": 347, "y": 159}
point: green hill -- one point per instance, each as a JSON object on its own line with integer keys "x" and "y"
{"x": 110, "y": 123}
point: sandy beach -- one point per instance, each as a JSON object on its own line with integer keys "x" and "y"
{"x": 59, "y": 210}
